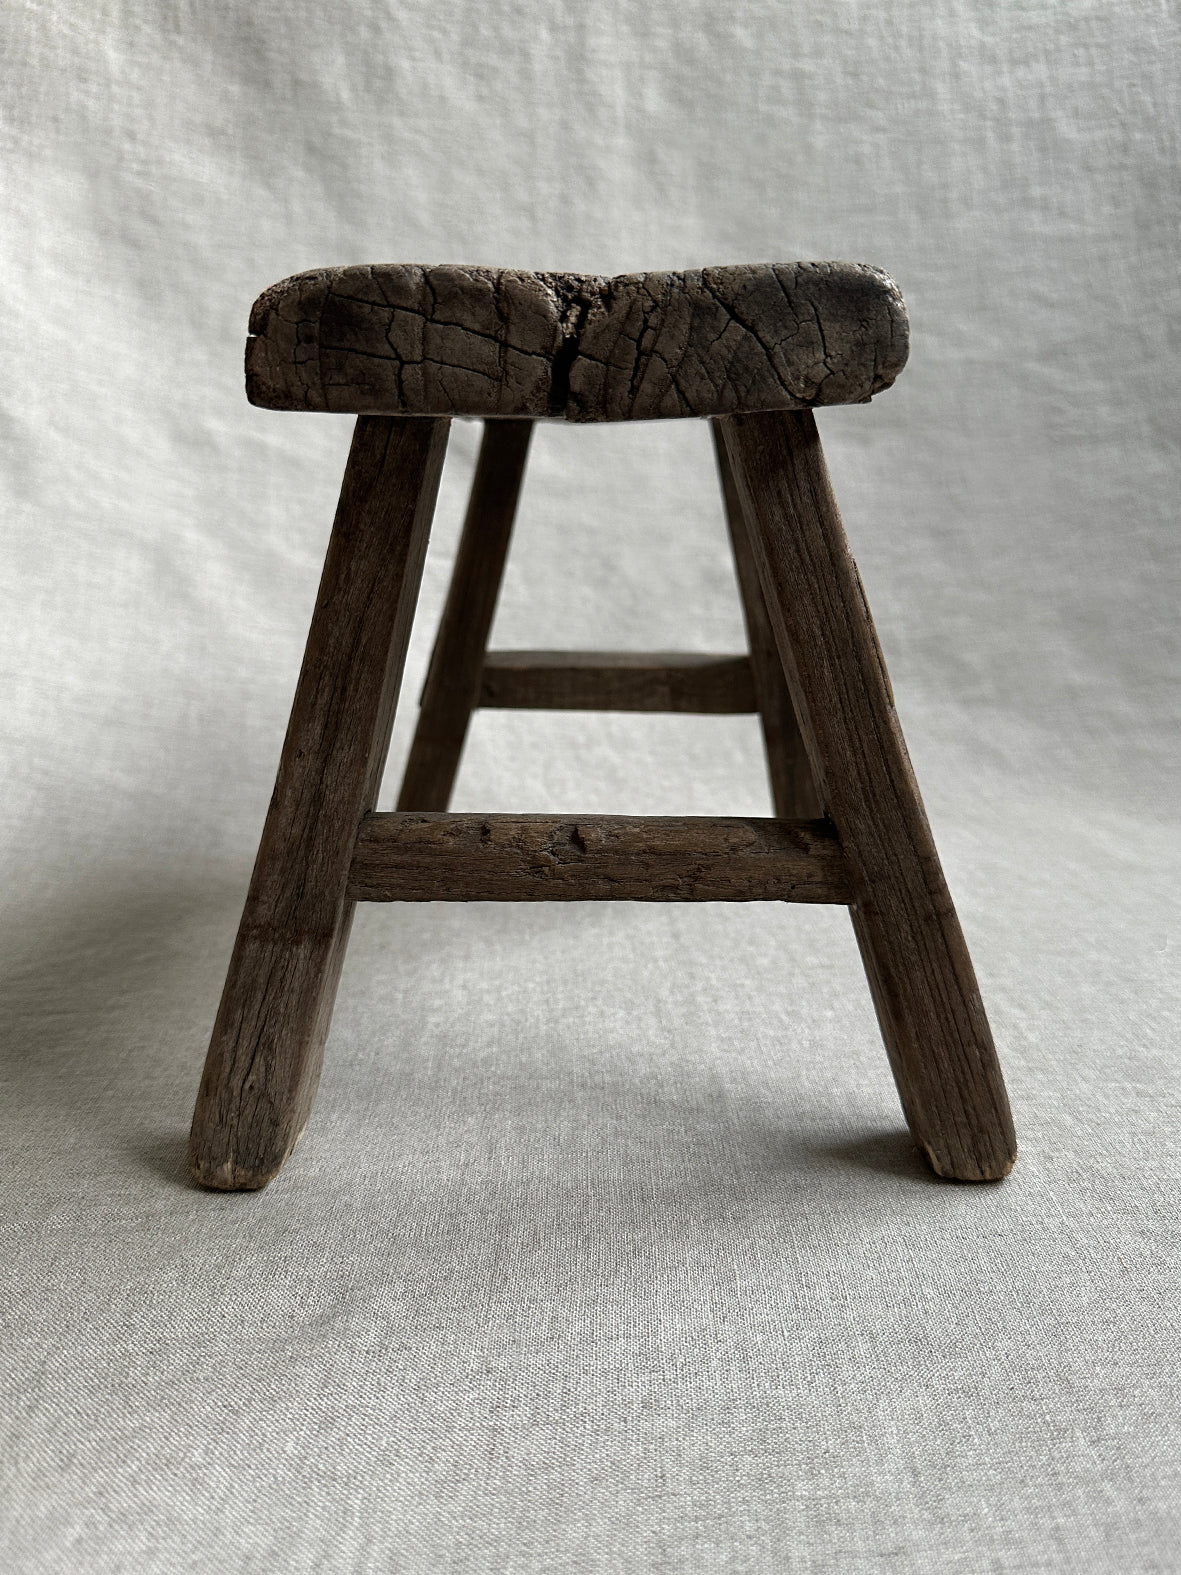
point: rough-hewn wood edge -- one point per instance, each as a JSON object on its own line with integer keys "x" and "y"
{"x": 684, "y": 682}
{"x": 594, "y": 858}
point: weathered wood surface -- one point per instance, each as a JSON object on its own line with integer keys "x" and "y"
{"x": 589, "y": 858}
{"x": 452, "y": 688}
{"x": 397, "y": 338}
{"x": 793, "y": 791}
{"x": 617, "y": 681}
{"x": 920, "y": 974}
{"x": 264, "y": 1059}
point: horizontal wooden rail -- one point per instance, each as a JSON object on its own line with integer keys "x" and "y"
{"x": 593, "y": 858}
{"x": 617, "y": 681}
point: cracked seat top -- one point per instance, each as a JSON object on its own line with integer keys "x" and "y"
{"x": 401, "y": 339}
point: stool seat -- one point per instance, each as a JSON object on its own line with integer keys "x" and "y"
{"x": 401, "y": 339}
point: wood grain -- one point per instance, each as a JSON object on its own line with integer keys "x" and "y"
{"x": 264, "y": 1059}
{"x": 452, "y": 688}
{"x": 617, "y": 681}
{"x": 920, "y": 974}
{"x": 793, "y": 792}
{"x": 589, "y": 858}
{"x": 398, "y": 338}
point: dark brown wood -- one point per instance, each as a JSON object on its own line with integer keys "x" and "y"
{"x": 595, "y": 858}
{"x": 397, "y": 338}
{"x": 793, "y": 791}
{"x": 264, "y": 1059}
{"x": 617, "y": 681}
{"x": 920, "y": 974}
{"x": 452, "y": 689}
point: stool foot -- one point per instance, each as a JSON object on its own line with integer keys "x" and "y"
{"x": 921, "y": 977}
{"x": 264, "y": 1059}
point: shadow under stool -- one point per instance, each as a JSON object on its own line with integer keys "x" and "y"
{"x": 750, "y": 348}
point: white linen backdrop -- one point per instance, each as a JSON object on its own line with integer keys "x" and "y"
{"x": 606, "y": 1249}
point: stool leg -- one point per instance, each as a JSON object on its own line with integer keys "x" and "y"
{"x": 264, "y": 1059}
{"x": 793, "y": 792}
{"x": 920, "y": 974}
{"x": 452, "y": 689}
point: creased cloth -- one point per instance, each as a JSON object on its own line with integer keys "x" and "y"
{"x": 606, "y": 1248}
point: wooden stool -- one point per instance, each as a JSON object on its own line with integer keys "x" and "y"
{"x": 405, "y": 348}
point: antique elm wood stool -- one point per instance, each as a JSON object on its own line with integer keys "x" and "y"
{"x": 405, "y": 348}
